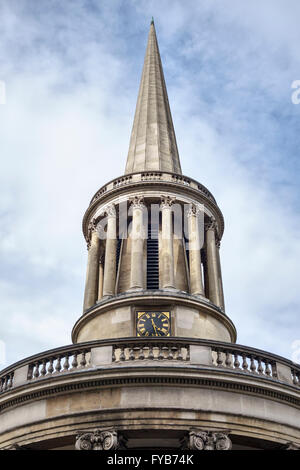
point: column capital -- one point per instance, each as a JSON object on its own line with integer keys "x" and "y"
{"x": 110, "y": 211}
{"x": 211, "y": 224}
{"x": 198, "y": 439}
{"x": 137, "y": 202}
{"x": 166, "y": 202}
{"x": 100, "y": 440}
{"x": 193, "y": 210}
{"x": 92, "y": 228}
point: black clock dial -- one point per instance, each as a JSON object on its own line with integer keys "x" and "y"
{"x": 153, "y": 324}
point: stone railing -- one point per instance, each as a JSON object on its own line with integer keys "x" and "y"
{"x": 148, "y": 176}
{"x": 188, "y": 353}
{"x": 151, "y": 351}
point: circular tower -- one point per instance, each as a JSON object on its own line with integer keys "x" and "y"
{"x": 154, "y": 362}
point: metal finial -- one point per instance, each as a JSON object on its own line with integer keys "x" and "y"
{"x": 152, "y": 21}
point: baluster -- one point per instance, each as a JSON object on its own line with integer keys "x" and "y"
{"x": 151, "y": 355}
{"x": 66, "y": 363}
{"x": 30, "y": 372}
{"x": 160, "y": 353}
{"x": 141, "y": 354}
{"x": 114, "y": 354}
{"x": 298, "y": 377}
{"x": 179, "y": 355}
{"x": 131, "y": 354}
{"x": 170, "y": 353}
{"x": 236, "y": 360}
{"x": 50, "y": 368}
{"x": 252, "y": 365}
{"x": 188, "y": 357}
{"x": 10, "y": 380}
{"x": 260, "y": 369}
{"x": 43, "y": 370}
{"x": 5, "y": 383}
{"x": 83, "y": 359}
{"x": 274, "y": 370}
{"x": 245, "y": 363}
{"x": 75, "y": 361}
{"x": 122, "y": 354}
{"x": 58, "y": 365}
{"x": 36, "y": 373}
{"x": 267, "y": 368}
{"x": 294, "y": 376}
{"x": 1, "y": 385}
{"x": 228, "y": 360}
{"x": 219, "y": 358}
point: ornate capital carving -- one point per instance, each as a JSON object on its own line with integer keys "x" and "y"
{"x": 206, "y": 440}
{"x": 110, "y": 211}
{"x": 193, "y": 210}
{"x": 100, "y": 440}
{"x": 290, "y": 446}
{"x": 166, "y": 202}
{"x": 137, "y": 202}
{"x": 211, "y": 224}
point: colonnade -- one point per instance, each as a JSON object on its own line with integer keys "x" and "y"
{"x": 205, "y": 278}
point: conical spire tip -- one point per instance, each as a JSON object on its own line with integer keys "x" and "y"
{"x": 152, "y": 20}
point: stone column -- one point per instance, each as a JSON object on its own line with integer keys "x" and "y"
{"x": 218, "y": 243}
{"x": 101, "y": 277}
{"x": 137, "y": 244}
{"x": 109, "y": 281}
{"x": 196, "y": 282}
{"x": 167, "y": 255}
{"x": 213, "y": 269}
{"x": 91, "y": 284}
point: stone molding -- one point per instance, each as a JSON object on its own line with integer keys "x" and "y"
{"x": 206, "y": 440}
{"x": 239, "y": 385}
{"x": 100, "y": 440}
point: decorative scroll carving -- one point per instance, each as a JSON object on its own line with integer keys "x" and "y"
{"x": 194, "y": 210}
{"x": 206, "y": 440}
{"x": 166, "y": 202}
{"x": 110, "y": 211}
{"x": 100, "y": 440}
{"x": 211, "y": 225}
{"x": 137, "y": 202}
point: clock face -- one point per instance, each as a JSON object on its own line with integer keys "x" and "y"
{"x": 153, "y": 324}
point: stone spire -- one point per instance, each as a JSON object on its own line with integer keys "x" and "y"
{"x": 153, "y": 143}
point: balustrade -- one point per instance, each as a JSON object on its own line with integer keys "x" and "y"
{"x": 152, "y": 351}
{"x": 235, "y": 359}
{"x": 244, "y": 361}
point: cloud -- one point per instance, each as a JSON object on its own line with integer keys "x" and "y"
{"x": 72, "y": 71}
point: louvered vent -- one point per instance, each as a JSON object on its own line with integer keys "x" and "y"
{"x": 152, "y": 258}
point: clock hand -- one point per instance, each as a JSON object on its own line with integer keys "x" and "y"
{"x": 153, "y": 325}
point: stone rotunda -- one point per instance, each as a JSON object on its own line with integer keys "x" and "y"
{"x": 154, "y": 362}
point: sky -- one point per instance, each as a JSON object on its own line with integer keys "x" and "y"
{"x": 71, "y": 72}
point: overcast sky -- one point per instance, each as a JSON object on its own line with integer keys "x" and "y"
{"x": 72, "y": 70}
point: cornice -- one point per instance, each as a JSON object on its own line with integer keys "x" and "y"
{"x": 133, "y": 186}
{"x": 195, "y": 376}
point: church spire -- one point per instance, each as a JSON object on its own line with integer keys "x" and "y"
{"x": 153, "y": 143}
